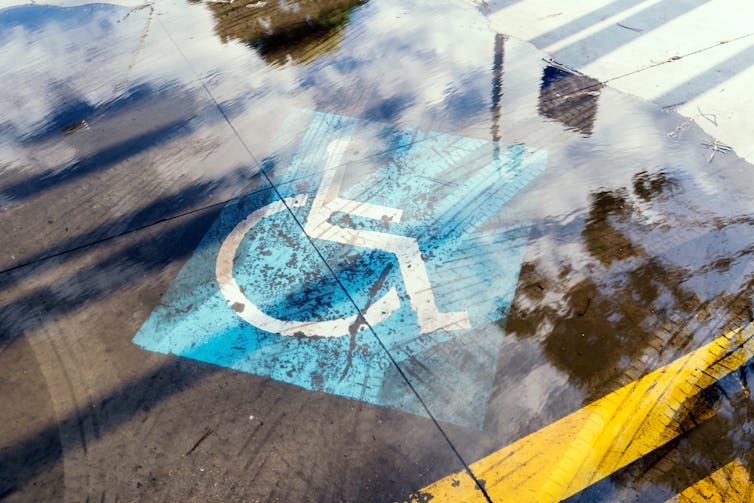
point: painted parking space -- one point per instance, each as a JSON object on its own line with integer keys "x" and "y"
{"x": 403, "y": 241}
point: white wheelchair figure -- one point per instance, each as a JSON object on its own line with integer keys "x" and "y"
{"x": 326, "y": 203}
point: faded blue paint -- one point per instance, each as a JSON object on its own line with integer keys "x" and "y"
{"x": 448, "y": 187}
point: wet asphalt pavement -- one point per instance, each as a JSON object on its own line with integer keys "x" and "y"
{"x": 341, "y": 250}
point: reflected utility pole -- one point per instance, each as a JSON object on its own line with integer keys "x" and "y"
{"x": 497, "y": 91}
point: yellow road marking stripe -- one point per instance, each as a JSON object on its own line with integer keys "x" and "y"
{"x": 729, "y": 484}
{"x": 576, "y": 451}
{"x": 458, "y": 488}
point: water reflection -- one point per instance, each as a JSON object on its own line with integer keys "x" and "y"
{"x": 383, "y": 66}
{"x": 77, "y": 117}
{"x": 569, "y": 98}
{"x": 605, "y": 311}
{"x": 625, "y": 309}
{"x": 626, "y": 303}
{"x": 497, "y": 85}
{"x": 278, "y": 30}
{"x": 656, "y": 264}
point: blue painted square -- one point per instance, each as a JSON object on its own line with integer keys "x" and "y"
{"x": 280, "y": 309}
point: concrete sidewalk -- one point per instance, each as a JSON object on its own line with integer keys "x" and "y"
{"x": 692, "y": 56}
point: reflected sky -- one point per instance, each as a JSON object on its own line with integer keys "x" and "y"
{"x": 640, "y": 243}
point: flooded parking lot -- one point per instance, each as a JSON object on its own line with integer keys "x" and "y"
{"x": 358, "y": 251}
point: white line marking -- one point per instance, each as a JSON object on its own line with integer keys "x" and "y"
{"x": 327, "y": 202}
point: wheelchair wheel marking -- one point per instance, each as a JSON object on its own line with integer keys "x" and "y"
{"x": 247, "y": 310}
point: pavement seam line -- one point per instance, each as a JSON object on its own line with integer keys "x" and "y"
{"x": 550, "y": 60}
{"x": 114, "y": 236}
{"x": 678, "y": 58}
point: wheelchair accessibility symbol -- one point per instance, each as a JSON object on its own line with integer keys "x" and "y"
{"x": 327, "y": 203}
{"x": 378, "y": 247}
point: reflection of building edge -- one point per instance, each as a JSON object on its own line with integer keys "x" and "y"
{"x": 277, "y": 30}
{"x": 569, "y": 98}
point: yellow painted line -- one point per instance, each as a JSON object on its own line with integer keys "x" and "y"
{"x": 729, "y": 484}
{"x": 458, "y": 488}
{"x": 576, "y": 451}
